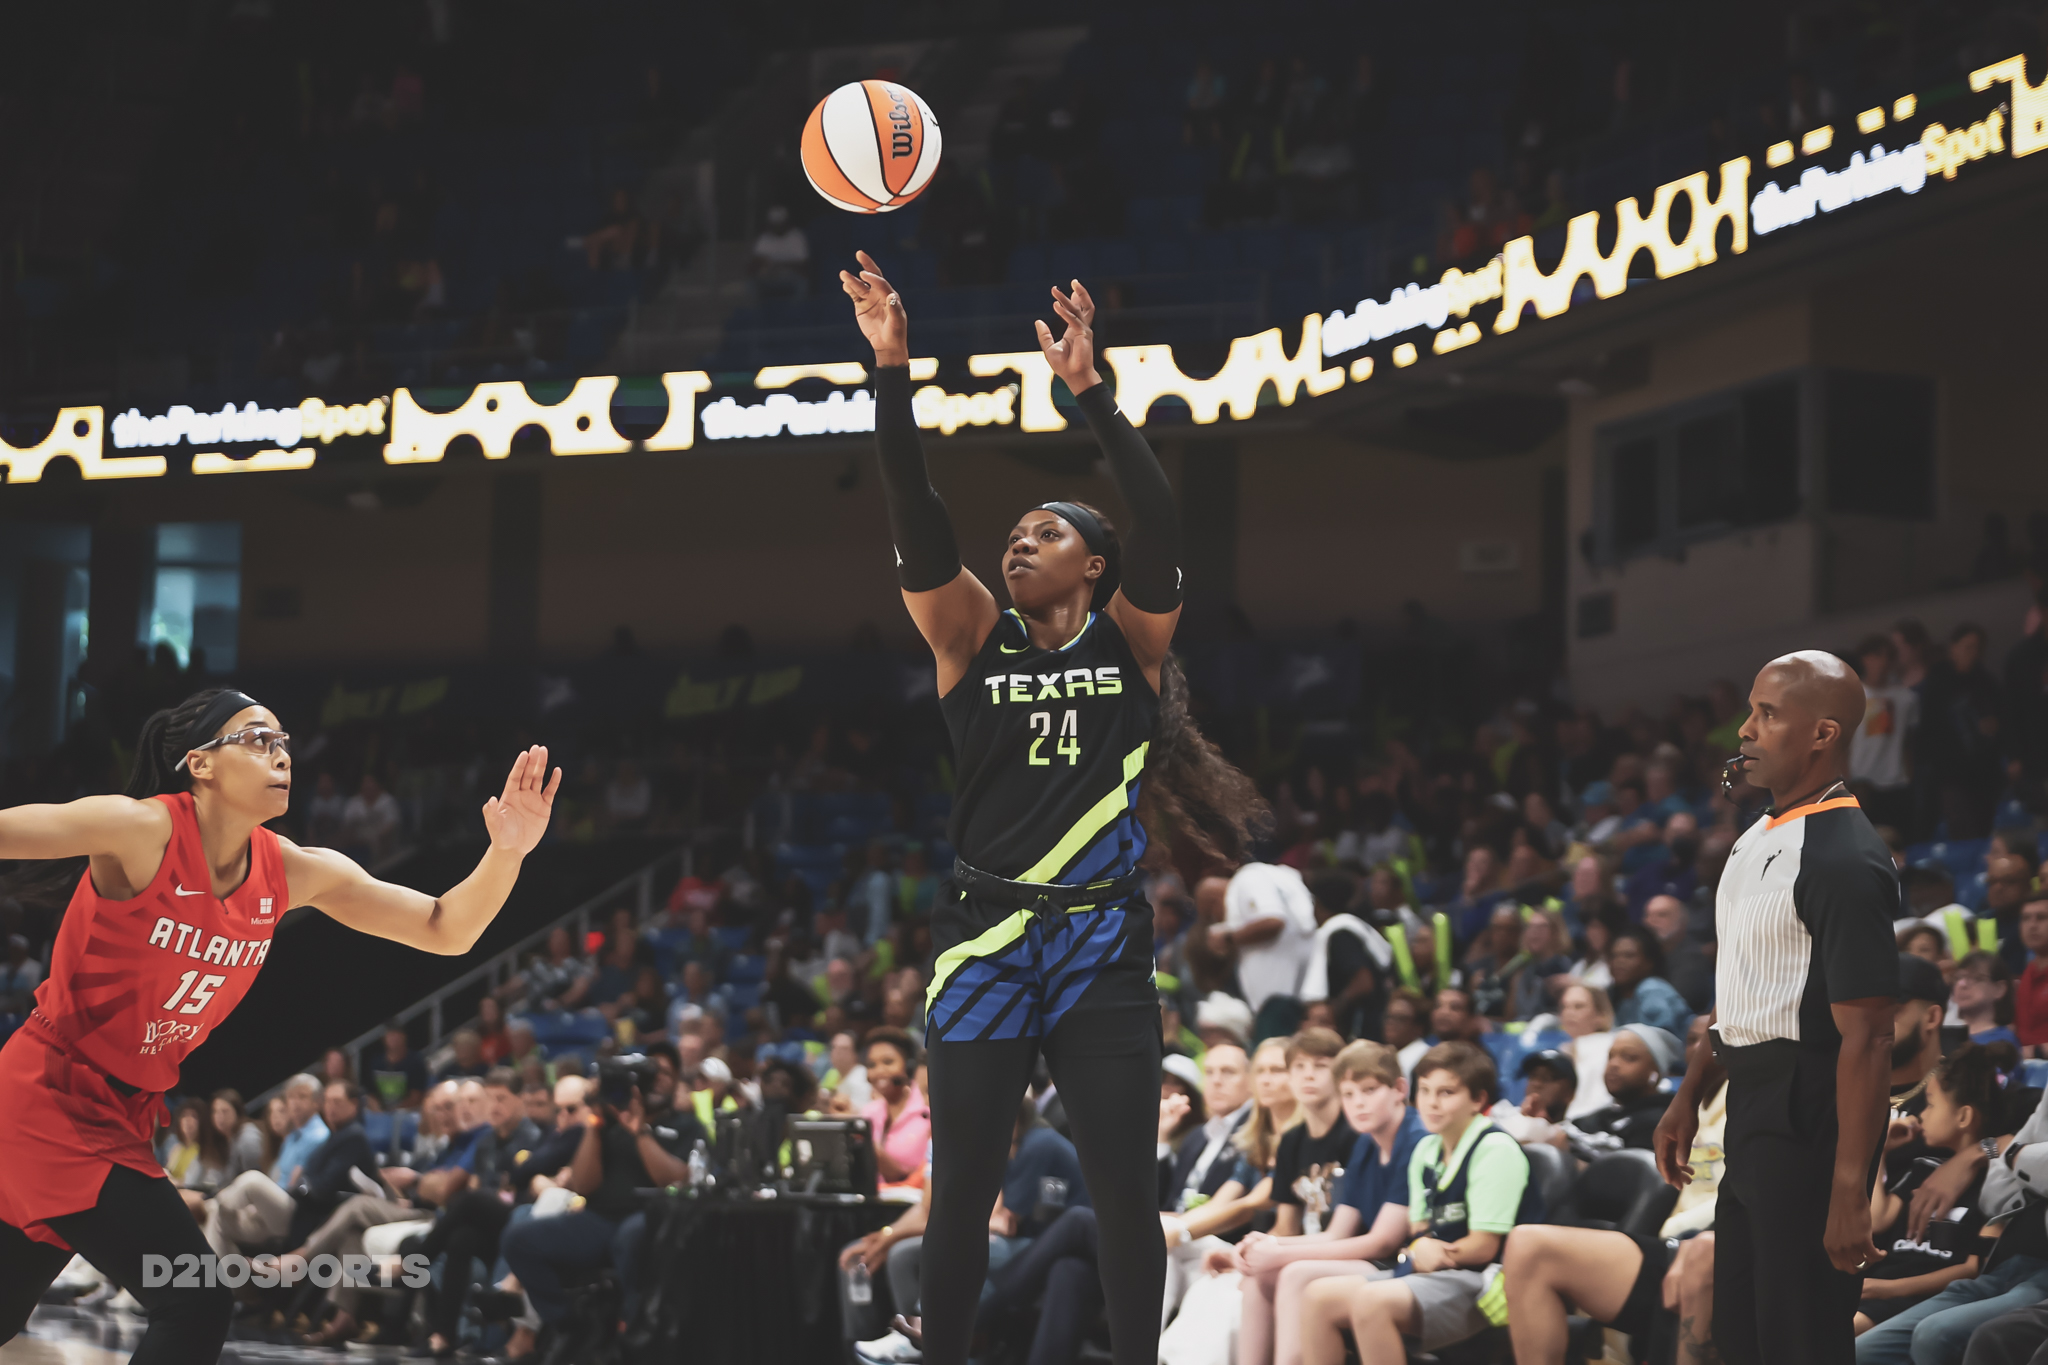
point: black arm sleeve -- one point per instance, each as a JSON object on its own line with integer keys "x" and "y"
{"x": 1151, "y": 550}
{"x": 927, "y": 555}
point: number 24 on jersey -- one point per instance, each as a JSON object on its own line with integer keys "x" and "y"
{"x": 1069, "y": 746}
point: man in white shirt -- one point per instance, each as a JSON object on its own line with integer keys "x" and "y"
{"x": 1877, "y": 753}
{"x": 1269, "y": 917}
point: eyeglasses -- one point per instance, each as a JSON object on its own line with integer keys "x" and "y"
{"x": 271, "y": 742}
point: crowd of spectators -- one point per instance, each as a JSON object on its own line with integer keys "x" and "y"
{"x": 1541, "y": 890}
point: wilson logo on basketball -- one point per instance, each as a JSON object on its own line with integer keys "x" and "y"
{"x": 870, "y": 146}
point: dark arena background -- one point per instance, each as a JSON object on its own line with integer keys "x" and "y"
{"x": 456, "y": 377}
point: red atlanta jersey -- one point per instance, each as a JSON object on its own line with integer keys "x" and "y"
{"x": 135, "y": 985}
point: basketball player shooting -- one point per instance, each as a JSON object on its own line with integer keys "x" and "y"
{"x": 180, "y": 893}
{"x": 1062, "y": 710}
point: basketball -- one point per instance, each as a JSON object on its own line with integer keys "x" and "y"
{"x": 870, "y": 146}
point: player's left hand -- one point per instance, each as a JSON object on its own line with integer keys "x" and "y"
{"x": 1848, "y": 1238}
{"x": 1072, "y": 357}
{"x": 518, "y": 816}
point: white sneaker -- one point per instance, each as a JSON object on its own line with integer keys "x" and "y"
{"x": 893, "y": 1349}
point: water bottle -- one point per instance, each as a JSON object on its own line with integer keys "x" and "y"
{"x": 860, "y": 1289}
{"x": 699, "y": 1166}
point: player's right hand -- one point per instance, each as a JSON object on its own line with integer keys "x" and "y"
{"x": 1673, "y": 1143}
{"x": 878, "y": 308}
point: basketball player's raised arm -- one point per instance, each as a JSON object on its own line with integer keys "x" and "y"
{"x": 1147, "y": 602}
{"x": 953, "y": 609}
{"x": 124, "y": 838}
{"x": 450, "y": 923}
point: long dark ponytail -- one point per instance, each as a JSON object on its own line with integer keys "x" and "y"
{"x": 157, "y": 752}
{"x": 1191, "y": 794}
{"x": 163, "y": 746}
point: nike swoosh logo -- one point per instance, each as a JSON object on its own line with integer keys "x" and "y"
{"x": 183, "y": 892}
{"x": 1020, "y": 649}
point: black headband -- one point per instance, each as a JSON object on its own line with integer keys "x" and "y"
{"x": 216, "y": 714}
{"x": 1082, "y": 520}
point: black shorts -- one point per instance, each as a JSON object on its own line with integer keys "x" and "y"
{"x": 1646, "y": 1296}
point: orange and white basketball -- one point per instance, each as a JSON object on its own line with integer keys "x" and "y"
{"x": 871, "y": 146}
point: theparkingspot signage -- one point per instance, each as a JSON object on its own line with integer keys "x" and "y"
{"x": 1895, "y": 152}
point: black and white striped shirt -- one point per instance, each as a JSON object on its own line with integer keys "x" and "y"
{"x": 1804, "y": 916}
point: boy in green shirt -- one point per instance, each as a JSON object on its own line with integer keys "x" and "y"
{"x": 1461, "y": 1211}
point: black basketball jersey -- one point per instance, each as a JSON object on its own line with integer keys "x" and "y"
{"x": 1050, "y": 745}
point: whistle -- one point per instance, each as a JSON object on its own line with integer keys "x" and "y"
{"x": 1731, "y": 770}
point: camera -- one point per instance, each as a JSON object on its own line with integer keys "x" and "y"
{"x": 620, "y": 1078}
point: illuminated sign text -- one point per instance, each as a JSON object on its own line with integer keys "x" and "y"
{"x": 1822, "y": 191}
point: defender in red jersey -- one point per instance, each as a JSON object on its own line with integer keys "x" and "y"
{"x": 171, "y": 921}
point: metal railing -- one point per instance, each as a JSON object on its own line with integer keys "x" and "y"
{"x": 636, "y": 890}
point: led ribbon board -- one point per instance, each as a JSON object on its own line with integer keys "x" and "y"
{"x": 581, "y": 423}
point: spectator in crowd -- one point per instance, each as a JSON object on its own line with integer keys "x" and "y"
{"x": 1963, "y": 1095}
{"x": 1638, "y": 1060}
{"x": 1601, "y": 919}
{"x": 1982, "y": 994}
{"x": 1348, "y": 959}
{"x": 1963, "y": 705}
{"x": 242, "y": 1145}
{"x": 628, "y": 799}
{"x": 1311, "y": 1157}
{"x": 620, "y": 1151}
{"x": 397, "y": 1077}
{"x": 620, "y": 237}
{"x": 180, "y": 1146}
{"x": 1205, "y": 1326}
{"x": 324, "y": 813}
{"x": 302, "y": 1102}
{"x": 1453, "y": 1019}
{"x": 254, "y": 1208}
{"x": 1550, "y": 1082}
{"x": 781, "y": 258}
{"x": 1667, "y": 867}
{"x": 474, "y": 1221}
{"x": 1270, "y": 924}
{"x": 468, "y": 1059}
{"x": 335, "y": 1066}
{"x": 558, "y": 979}
{"x": 1877, "y": 753}
{"x": 874, "y": 893}
{"x": 2030, "y": 992}
{"x": 1487, "y": 972}
{"x": 845, "y": 1077}
{"x": 1406, "y": 1026}
{"x": 277, "y": 1126}
{"x": 494, "y": 1043}
{"x": 539, "y": 1101}
{"x": 1369, "y": 1222}
{"x": 897, "y": 1115}
{"x": 1181, "y": 1110}
{"x": 1201, "y": 1176}
{"x": 1461, "y": 1210}
{"x": 1587, "y": 1018}
{"x": 2008, "y": 882}
{"x": 1641, "y": 995}
{"x": 1689, "y": 969}
{"x": 20, "y": 974}
{"x": 1543, "y": 971}
{"x": 370, "y": 821}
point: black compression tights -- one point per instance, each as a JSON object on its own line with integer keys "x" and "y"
{"x": 1110, "y": 1088}
{"x": 136, "y": 1215}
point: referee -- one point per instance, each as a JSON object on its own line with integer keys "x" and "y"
{"x": 1802, "y": 1030}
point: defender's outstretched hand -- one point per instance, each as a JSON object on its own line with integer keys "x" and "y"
{"x": 1072, "y": 357}
{"x": 517, "y": 817}
{"x": 878, "y": 308}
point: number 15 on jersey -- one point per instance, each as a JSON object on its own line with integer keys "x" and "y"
{"x": 1069, "y": 746}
